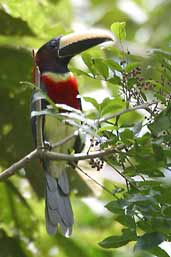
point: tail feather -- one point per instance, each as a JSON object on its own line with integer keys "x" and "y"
{"x": 58, "y": 206}
{"x": 50, "y": 182}
{"x": 64, "y": 183}
{"x": 67, "y": 231}
{"x": 50, "y": 226}
{"x": 57, "y": 201}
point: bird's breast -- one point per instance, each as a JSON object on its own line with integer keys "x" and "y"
{"x": 62, "y": 89}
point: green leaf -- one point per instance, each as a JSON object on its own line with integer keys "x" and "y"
{"x": 131, "y": 82}
{"x": 138, "y": 198}
{"x": 79, "y": 72}
{"x": 116, "y": 207}
{"x": 114, "y": 65}
{"x": 35, "y": 18}
{"x": 118, "y": 28}
{"x": 160, "y": 97}
{"x": 162, "y": 121}
{"x": 138, "y": 127}
{"x": 167, "y": 64}
{"x": 131, "y": 66}
{"x": 157, "y": 251}
{"x": 101, "y": 67}
{"x": 107, "y": 128}
{"x": 118, "y": 241}
{"x": 87, "y": 59}
{"x": 158, "y": 86}
{"x": 110, "y": 105}
{"x": 13, "y": 26}
{"x": 162, "y": 53}
{"x": 149, "y": 241}
{"x": 129, "y": 119}
{"x": 126, "y": 220}
{"x": 93, "y": 102}
{"x": 114, "y": 80}
{"x": 127, "y": 136}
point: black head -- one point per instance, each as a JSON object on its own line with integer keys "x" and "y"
{"x": 47, "y": 57}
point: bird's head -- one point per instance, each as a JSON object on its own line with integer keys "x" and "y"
{"x": 56, "y": 53}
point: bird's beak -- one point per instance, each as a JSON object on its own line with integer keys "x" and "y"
{"x": 76, "y": 43}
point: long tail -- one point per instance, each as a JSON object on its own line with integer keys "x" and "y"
{"x": 58, "y": 209}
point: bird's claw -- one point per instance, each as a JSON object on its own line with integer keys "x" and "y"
{"x": 47, "y": 145}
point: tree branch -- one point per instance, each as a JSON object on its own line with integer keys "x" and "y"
{"x": 38, "y": 106}
{"x": 42, "y": 153}
{"x": 78, "y": 156}
{"x": 18, "y": 165}
{"x": 65, "y": 140}
{"x": 38, "y": 153}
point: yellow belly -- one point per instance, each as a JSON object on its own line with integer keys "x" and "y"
{"x": 56, "y": 131}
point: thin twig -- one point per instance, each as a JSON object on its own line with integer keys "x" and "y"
{"x": 78, "y": 156}
{"x": 138, "y": 107}
{"x": 95, "y": 181}
{"x": 38, "y": 106}
{"x": 65, "y": 140}
{"x": 126, "y": 178}
{"x": 20, "y": 164}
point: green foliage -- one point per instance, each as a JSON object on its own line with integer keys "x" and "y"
{"x": 118, "y": 241}
{"x": 141, "y": 208}
{"x": 148, "y": 241}
{"x": 118, "y": 28}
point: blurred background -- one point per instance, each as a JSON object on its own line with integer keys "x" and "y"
{"x": 26, "y": 25}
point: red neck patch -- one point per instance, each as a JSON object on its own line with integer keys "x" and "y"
{"x": 62, "y": 91}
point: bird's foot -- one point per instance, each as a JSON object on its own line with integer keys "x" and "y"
{"x": 47, "y": 145}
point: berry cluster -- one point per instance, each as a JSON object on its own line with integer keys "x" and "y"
{"x": 141, "y": 83}
{"x": 94, "y": 142}
{"x": 97, "y": 162}
{"x": 133, "y": 86}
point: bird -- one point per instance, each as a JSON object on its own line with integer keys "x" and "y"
{"x": 61, "y": 86}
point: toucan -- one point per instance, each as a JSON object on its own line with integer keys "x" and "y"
{"x": 61, "y": 86}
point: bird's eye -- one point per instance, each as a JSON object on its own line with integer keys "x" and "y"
{"x": 53, "y": 43}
